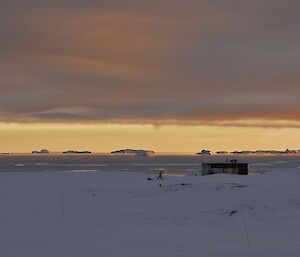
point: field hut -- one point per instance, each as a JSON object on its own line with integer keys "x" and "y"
{"x": 232, "y": 167}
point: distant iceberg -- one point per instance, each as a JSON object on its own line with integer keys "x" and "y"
{"x": 43, "y": 151}
{"x": 76, "y": 152}
{"x": 134, "y": 152}
{"x": 207, "y": 152}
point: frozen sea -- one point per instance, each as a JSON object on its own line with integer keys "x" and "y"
{"x": 169, "y": 163}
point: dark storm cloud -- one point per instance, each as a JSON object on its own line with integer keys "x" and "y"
{"x": 149, "y": 61}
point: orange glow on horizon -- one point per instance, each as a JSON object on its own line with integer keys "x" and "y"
{"x": 23, "y": 138}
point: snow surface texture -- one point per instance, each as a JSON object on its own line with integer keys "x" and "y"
{"x": 118, "y": 214}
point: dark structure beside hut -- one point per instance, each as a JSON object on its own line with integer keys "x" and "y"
{"x": 232, "y": 167}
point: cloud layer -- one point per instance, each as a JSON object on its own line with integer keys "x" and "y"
{"x": 149, "y": 61}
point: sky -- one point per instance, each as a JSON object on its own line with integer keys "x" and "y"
{"x": 168, "y": 75}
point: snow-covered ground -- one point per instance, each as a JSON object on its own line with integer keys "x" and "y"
{"x": 118, "y": 214}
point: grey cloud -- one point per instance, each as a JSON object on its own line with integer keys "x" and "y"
{"x": 154, "y": 61}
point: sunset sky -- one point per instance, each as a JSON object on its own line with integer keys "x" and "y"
{"x": 166, "y": 75}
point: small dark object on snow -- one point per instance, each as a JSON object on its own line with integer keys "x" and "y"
{"x": 238, "y": 186}
{"x": 232, "y": 212}
{"x": 150, "y": 179}
{"x": 185, "y": 184}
